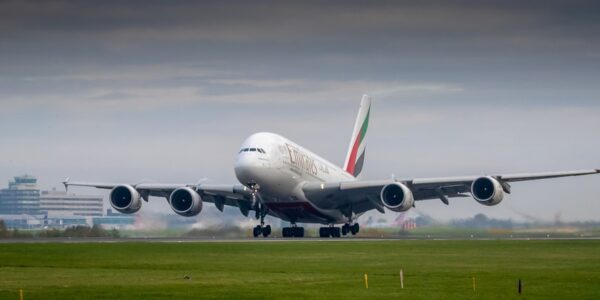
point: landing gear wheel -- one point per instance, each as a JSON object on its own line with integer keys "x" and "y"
{"x": 345, "y": 229}
{"x": 256, "y": 231}
{"x": 354, "y": 229}
{"x": 335, "y": 232}
{"x": 324, "y": 232}
{"x": 266, "y": 231}
{"x": 292, "y": 232}
{"x": 298, "y": 231}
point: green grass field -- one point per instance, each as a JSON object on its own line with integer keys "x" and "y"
{"x": 310, "y": 269}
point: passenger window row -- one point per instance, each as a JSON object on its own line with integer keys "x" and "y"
{"x": 253, "y": 150}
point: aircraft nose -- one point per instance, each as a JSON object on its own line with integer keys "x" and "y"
{"x": 248, "y": 168}
{"x": 246, "y": 159}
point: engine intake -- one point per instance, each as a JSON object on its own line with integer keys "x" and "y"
{"x": 487, "y": 191}
{"x": 397, "y": 197}
{"x": 185, "y": 202}
{"x": 125, "y": 199}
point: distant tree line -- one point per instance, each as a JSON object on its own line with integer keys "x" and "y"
{"x": 482, "y": 221}
{"x": 78, "y": 231}
{"x": 485, "y": 222}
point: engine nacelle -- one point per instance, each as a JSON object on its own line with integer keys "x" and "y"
{"x": 487, "y": 191}
{"x": 125, "y": 199}
{"x": 397, "y": 197}
{"x": 185, "y": 202}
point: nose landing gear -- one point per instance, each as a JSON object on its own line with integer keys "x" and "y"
{"x": 260, "y": 229}
{"x": 261, "y": 212}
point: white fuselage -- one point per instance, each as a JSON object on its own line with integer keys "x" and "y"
{"x": 280, "y": 168}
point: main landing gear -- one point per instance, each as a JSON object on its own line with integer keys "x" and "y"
{"x": 353, "y": 229}
{"x": 334, "y": 232}
{"x": 293, "y": 231}
{"x": 331, "y": 231}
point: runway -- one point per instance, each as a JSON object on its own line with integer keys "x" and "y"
{"x": 272, "y": 239}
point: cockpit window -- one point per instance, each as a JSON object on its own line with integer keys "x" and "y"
{"x": 260, "y": 150}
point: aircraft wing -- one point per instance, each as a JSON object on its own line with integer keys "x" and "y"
{"x": 361, "y": 196}
{"x": 235, "y": 195}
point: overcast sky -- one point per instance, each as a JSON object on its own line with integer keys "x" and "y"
{"x": 168, "y": 90}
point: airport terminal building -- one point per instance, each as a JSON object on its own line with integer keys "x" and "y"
{"x": 21, "y": 197}
{"x": 24, "y": 206}
{"x": 56, "y": 203}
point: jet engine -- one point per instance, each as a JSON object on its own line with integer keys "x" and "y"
{"x": 487, "y": 191}
{"x": 397, "y": 197}
{"x": 125, "y": 199}
{"x": 185, "y": 202}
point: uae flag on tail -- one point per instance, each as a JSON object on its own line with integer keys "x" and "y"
{"x": 356, "y": 151}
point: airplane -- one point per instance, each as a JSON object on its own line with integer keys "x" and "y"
{"x": 280, "y": 178}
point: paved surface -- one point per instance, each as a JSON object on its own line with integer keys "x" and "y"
{"x": 258, "y": 240}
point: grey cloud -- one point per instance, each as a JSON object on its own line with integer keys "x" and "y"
{"x": 282, "y": 18}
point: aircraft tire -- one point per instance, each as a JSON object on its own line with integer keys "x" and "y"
{"x": 345, "y": 229}
{"x": 266, "y": 231}
{"x": 298, "y": 231}
{"x": 354, "y": 229}
{"x": 335, "y": 232}
{"x": 324, "y": 232}
{"x": 256, "y": 231}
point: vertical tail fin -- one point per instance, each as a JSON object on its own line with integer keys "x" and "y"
{"x": 356, "y": 151}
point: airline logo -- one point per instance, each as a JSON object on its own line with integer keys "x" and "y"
{"x": 304, "y": 162}
{"x": 301, "y": 160}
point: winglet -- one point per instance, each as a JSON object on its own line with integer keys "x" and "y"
{"x": 66, "y": 184}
